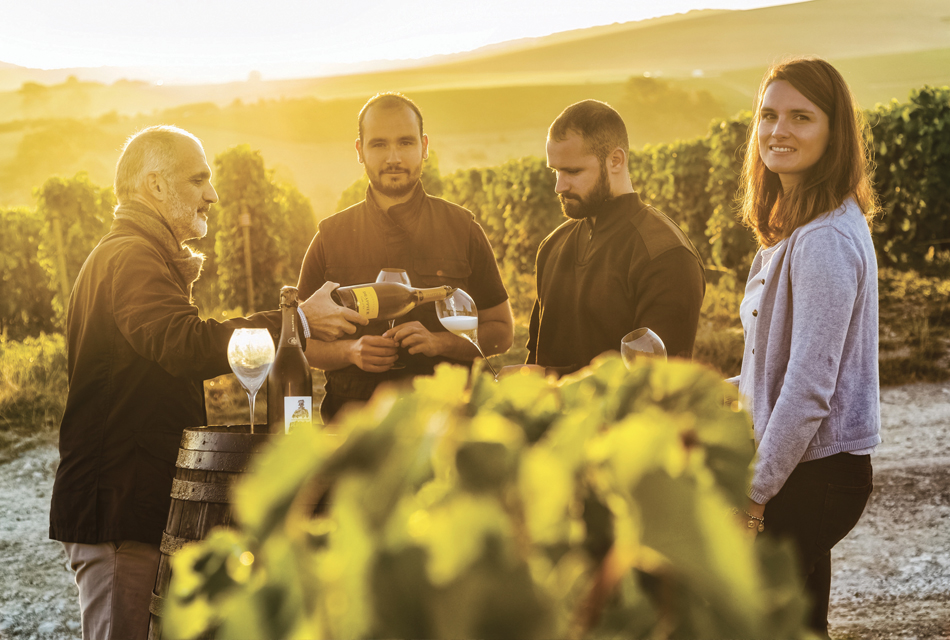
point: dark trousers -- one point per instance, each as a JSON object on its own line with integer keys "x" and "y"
{"x": 817, "y": 506}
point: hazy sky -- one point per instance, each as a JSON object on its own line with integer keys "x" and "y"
{"x": 232, "y": 37}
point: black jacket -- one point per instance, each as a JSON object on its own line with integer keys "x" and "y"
{"x": 435, "y": 241}
{"x": 634, "y": 268}
{"x": 138, "y": 353}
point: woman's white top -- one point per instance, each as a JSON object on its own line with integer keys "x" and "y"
{"x": 748, "y": 312}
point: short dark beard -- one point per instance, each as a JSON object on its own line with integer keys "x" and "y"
{"x": 591, "y": 205}
{"x": 394, "y": 192}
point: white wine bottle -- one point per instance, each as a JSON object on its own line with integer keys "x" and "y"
{"x": 386, "y": 300}
{"x": 289, "y": 385}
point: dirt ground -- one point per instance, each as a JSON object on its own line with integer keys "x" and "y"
{"x": 891, "y": 574}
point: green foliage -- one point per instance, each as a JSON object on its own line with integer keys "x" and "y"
{"x": 353, "y": 194}
{"x": 25, "y": 296}
{"x": 32, "y": 381}
{"x": 719, "y": 339}
{"x": 516, "y": 205}
{"x": 915, "y": 327}
{"x": 596, "y": 507}
{"x": 76, "y": 214}
{"x": 673, "y": 178}
{"x": 281, "y": 228}
{"x": 732, "y": 246}
{"x": 912, "y": 146}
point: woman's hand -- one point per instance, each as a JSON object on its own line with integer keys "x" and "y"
{"x": 752, "y": 515}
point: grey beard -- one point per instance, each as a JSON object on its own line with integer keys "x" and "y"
{"x": 181, "y": 220}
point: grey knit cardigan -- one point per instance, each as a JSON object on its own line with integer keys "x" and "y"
{"x": 816, "y": 348}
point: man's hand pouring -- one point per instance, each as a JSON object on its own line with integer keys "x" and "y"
{"x": 328, "y": 320}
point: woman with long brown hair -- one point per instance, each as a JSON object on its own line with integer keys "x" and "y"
{"x": 810, "y": 316}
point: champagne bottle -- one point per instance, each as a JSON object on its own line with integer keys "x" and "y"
{"x": 386, "y": 300}
{"x": 289, "y": 386}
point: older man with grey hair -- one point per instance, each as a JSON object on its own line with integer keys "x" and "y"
{"x": 137, "y": 355}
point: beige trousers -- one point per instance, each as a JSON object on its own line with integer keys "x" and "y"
{"x": 115, "y": 581}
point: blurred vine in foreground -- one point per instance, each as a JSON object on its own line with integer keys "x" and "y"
{"x": 594, "y": 507}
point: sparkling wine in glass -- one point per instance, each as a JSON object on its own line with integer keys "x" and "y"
{"x": 400, "y": 276}
{"x": 641, "y": 343}
{"x": 459, "y": 315}
{"x": 250, "y": 354}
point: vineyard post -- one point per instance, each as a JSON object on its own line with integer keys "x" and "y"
{"x": 245, "y": 222}
{"x": 60, "y": 255}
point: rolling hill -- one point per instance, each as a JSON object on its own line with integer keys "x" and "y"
{"x": 481, "y": 107}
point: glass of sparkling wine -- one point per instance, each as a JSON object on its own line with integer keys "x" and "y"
{"x": 458, "y": 314}
{"x": 400, "y": 276}
{"x": 250, "y": 354}
{"x": 641, "y": 343}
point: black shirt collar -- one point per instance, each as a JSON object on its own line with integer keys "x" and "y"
{"x": 397, "y": 211}
{"x": 613, "y": 209}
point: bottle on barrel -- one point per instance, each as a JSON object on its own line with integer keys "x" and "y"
{"x": 386, "y": 300}
{"x": 289, "y": 386}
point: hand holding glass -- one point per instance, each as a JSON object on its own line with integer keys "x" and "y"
{"x": 458, "y": 314}
{"x": 641, "y": 343}
{"x": 250, "y": 354}
{"x": 400, "y": 276}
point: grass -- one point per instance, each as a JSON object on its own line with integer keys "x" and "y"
{"x": 32, "y": 392}
{"x": 719, "y": 339}
{"x": 915, "y": 327}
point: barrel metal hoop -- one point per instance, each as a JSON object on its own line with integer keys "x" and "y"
{"x": 172, "y": 544}
{"x": 214, "y": 460}
{"x": 157, "y": 605}
{"x": 205, "y": 439}
{"x": 199, "y": 491}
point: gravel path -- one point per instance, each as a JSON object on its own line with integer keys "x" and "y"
{"x": 891, "y": 574}
{"x": 38, "y": 598}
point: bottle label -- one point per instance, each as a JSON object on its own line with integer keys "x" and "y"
{"x": 298, "y": 412}
{"x": 367, "y": 302}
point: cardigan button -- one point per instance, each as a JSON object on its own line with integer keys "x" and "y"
{"x": 753, "y": 352}
{"x": 755, "y": 312}
{"x": 763, "y": 280}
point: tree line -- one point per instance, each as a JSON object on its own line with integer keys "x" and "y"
{"x": 693, "y": 181}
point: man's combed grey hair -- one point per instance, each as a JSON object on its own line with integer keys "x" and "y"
{"x": 154, "y": 149}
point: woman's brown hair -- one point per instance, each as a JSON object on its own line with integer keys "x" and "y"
{"x": 843, "y": 170}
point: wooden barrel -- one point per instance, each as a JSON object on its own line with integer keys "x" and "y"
{"x": 210, "y": 460}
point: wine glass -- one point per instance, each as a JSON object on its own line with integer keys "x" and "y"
{"x": 250, "y": 354}
{"x": 459, "y": 315}
{"x": 400, "y": 276}
{"x": 641, "y": 343}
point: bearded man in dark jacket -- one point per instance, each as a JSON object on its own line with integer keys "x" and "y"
{"x": 138, "y": 353}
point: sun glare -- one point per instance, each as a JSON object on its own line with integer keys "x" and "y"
{"x": 221, "y": 41}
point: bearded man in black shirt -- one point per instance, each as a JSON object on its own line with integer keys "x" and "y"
{"x": 617, "y": 264}
{"x": 400, "y": 226}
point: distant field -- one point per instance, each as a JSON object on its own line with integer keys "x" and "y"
{"x": 484, "y": 107}
{"x": 873, "y": 79}
{"x": 310, "y": 142}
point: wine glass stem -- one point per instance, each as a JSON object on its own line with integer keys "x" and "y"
{"x": 487, "y": 361}
{"x": 250, "y": 399}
